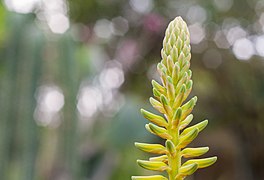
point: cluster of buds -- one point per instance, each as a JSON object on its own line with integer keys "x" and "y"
{"x": 169, "y": 99}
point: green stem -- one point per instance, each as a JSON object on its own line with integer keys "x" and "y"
{"x": 174, "y": 162}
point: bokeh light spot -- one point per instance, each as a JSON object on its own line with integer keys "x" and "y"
{"x": 220, "y": 40}
{"x": 89, "y": 100}
{"x": 50, "y": 100}
{"x": 197, "y": 33}
{"x": 260, "y": 45}
{"x": 196, "y": 14}
{"x": 59, "y": 23}
{"x": 223, "y": 5}
{"x": 119, "y": 26}
{"x": 243, "y": 49}
{"x": 235, "y": 33}
{"x": 21, "y": 6}
{"x": 112, "y": 77}
{"x": 141, "y": 6}
{"x": 102, "y": 28}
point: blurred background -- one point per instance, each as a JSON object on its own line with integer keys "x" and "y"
{"x": 74, "y": 74}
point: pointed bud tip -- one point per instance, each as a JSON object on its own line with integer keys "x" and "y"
{"x": 147, "y": 126}
{"x": 214, "y": 158}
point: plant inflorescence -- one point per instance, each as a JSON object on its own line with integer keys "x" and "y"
{"x": 169, "y": 99}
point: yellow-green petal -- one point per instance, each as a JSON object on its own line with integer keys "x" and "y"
{"x": 188, "y": 107}
{"x": 159, "y": 87}
{"x": 151, "y": 148}
{"x": 157, "y": 105}
{"x": 200, "y": 126}
{"x": 188, "y": 169}
{"x": 153, "y": 165}
{"x": 162, "y": 158}
{"x": 179, "y": 98}
{"x": 154, "y": 118}
{"x": 159, "y": 131}
{"x": 176, "y": 118}
{"x": 186, "y": 121}
{"x": 202, "y": 163}
{"x": 188, "y": 138}
{"x": 171, "y": 148}
{"x": 154, "y": 177}
{"x": 165, "y": 102}
{"x": 194, "y": 152}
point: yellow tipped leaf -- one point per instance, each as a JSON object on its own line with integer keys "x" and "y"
{"x": 202, "y": 163}
{"x": 154, "y": 118}
{"x": 153, "y": 165}
{"x": 194, "y": 152}
{"x": 170, "y": 88}
{"x": 187, "y": 170}
{"x": 156, "y": 93}
{"x": 186, "y": 121}
{"x": 170, "y": 64}
{"x": 151, "y": 148}
{"x": 154, "y": 177}
{"x": 179, "y": 98}
{"x": 159, "y": 87}
{"x": 166, "y": 105}
{"x": 162, "y": 158}
{"x": 157, "y": 105}
{"x": 188, "y": 107}
{"x": 171, "y": 147}
{"x": 190, "y": 104}
{"x": 159, "y": 131}
{"x": 189, "y": 85}
{"x": 200, "y": 126}
{"x": 176, "y": 117}
{"x": 175, "y": 73}
{"x": 188, "y": 138}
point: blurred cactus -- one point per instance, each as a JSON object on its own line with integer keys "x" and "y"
{"x": 169, "y": 97}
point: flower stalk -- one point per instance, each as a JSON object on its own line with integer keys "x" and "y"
{"x": 170, "y": 100}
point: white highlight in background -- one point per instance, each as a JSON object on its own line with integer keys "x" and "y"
{"x": 243, "y": 49}
{"x": 260, "y": 45}
{"x": 197, "y": 33}
{"x": 21, "y": 6}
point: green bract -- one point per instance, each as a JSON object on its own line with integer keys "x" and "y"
{"x": 169, "y": 99}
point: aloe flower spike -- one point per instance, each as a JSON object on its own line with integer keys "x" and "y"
{"x": 170, "y": 99}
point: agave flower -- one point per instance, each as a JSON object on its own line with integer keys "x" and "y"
{"x": 170, "y": 100}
